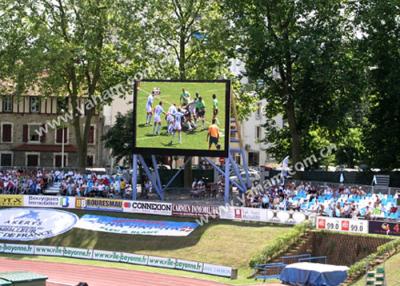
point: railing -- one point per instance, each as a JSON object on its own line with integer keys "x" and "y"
{"x": 268, "y": 271}
{"x": 294, "y": 258}
{"x": 317, "y": 259}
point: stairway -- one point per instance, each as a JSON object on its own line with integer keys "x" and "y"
{"x": 303, "y": 246}
{"x": 54, "y": 189}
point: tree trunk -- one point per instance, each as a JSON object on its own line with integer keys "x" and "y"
{"x": 294, "y": 133}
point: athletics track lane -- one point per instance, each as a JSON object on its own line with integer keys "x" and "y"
{"x": 69, "y": 274}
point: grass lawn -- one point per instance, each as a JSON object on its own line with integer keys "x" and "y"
{"x": 227, "y": 243}
{"x": 392, "y": 270}
{"x": 170, "y": 93}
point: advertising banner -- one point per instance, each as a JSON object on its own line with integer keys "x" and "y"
{"x": 189, "y": 265}
{"x": 134, "y": 258}
{"x": 17, "y": 248}
{"x": 25, "y": 224}
{"x": 342, "y": 224}
{"x": 99, "y": 204}
{"x": 195, "y": 210}
{"x": 115, "y": 256}
{"x": 261, "y": 215}
{"x": 217, "y": 270}
{"x": 49, "y": 202}
{"x": 153, "y": 208}
{"x": 386, "y": 228}
{"x": 135, "y": 226}
{"x": 161, "y": 262}
{"x": 11, "y": 200}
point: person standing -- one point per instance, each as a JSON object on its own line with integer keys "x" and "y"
{"x": 215, "y": 108}
{"x": 185, "y": 97}
{"x": 157, "y": 119}
{"x": 213, "y": 135}
{"x": 149, "y": 108}
{"x": 178, "y": 125}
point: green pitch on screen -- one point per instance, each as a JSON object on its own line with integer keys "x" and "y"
{"x": 170, "y": 93}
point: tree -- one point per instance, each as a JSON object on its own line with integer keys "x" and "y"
{"x": 71, "y": 48}
{"x": 379, "y": 45}
{"x": 119, "y": 137}
{"x": 301, "y": 51}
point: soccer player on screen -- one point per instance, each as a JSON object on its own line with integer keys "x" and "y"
{"x": 157, "y": 118}
{"x": 178, "y": 125}
{"x": 213, "y": 135}
{"x": 149, "y": 108}
{"x": 171, "y": 122}
{"x": 200, "y": 110}
{"x": 215, "y": 108}
{"x": 184, "y": 98}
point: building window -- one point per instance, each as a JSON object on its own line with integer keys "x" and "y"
{"x": 258, "y": 133}
{"x": 32, "y": 160}
{"x": 254, "y": 158}
{"x": 6, "y": 159}
{"x": 59, "y": 135}
{"x": 7, "y": 104}
{"x": 33, "y": 136}
{"x": 90, "y": 160}
{"x": 34, "y": 104}
{"x": 259, "y": 110}
{"x": 62, "y": 104}
{"x": 58, "y": 160}
{"x": 91, "y": 135}
{"x": 6, "y": 133}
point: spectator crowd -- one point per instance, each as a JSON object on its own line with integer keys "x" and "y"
{"x": 34, "y": 182}
{"x": 325, "y": 200}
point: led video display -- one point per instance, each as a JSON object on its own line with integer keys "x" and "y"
{"x": 182, "y": 117}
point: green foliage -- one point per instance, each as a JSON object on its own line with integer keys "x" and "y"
{"x": 281, "y": 244}
{"x": 379, "y": 47}
{"x": 119, "y": 137}
{"x": 302, "y": 52}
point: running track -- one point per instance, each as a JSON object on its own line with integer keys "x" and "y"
{"x": 70, "y": 275}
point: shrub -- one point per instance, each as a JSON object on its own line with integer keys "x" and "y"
{"x": 281, "y": 244}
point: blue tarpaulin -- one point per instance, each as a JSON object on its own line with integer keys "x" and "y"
{"x": 313, "y": 274}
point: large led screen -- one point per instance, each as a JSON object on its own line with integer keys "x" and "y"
{"x": 181, "y": 117}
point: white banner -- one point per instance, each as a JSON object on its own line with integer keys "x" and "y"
{"x": 115, "y": 256}
{"x": 261, "y": 215}
{"x": 217, "y": 270}
{"x": 49, "y": 202}
{"x": 78, "y": 252}
{"x": 25, "y": 224}
{"x": 134, "y": 258}
{"x": 106, "y": 255}
{"x": 122, "y": 225}
{"x": 17, "y": 248}
{"x": 189, "y": 265}
{"x": 142, "y": 207}
{"x": 342, "y": 224}
{"x": 161, "y": 262}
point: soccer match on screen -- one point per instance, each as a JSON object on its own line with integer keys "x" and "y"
{"x": 199, "y": 143}
{"x": 181, "y": 115}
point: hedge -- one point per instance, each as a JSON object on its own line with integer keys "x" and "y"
{"x": 281, "y": 244}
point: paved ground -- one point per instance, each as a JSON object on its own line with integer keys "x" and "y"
{"x": 61, "y": 274}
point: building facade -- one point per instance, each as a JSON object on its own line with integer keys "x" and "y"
{"x": 253, "y": 134}
{"x": 22, "y": 146}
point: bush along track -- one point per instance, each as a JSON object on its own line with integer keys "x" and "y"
{"x": 281, "y": 244}
{"x": 382, "y": 253}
